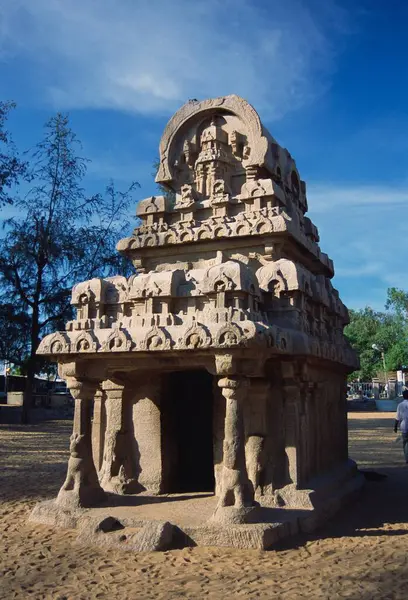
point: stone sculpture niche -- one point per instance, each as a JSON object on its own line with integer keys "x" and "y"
{"x": 220, "y": 366}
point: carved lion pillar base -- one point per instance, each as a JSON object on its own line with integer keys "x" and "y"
{"x": 81, "y": 488}
{"x": 117, "y": 472}
{"x": 236, "y": 501}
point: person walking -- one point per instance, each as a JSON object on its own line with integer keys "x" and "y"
{"x": 401, "y": 421}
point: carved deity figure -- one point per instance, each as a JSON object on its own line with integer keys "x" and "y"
{"x": 187, "y": 197}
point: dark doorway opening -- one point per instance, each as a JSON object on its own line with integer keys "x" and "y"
{"x": 187, "y": 422}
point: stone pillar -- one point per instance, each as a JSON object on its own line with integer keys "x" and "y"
{"x": 236, "y": 498}
{"x": 291, "y": 387}
{"x": 81, "y": 487}
{"x": 117, "y": 472}
{"x": 256, "y": 432}
{"x": 147, "y": 424}
{"x": 376, "y": 389}
{"x": 98, "y": 428}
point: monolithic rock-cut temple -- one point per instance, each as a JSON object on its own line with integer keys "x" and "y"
{"x": 210, "y": 386}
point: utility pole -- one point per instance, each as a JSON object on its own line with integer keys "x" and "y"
{"x": 380, "y": 349}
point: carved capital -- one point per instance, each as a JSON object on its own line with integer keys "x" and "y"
{"x": 233, "y": 388}
{"x": 225, "y": 364}
{"x": 113, "y": 389}
{"x": 81, "y": 389}
{"x": 67, "y": 369}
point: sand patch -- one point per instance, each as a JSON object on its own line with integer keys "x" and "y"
{"x": 360, "y": 554}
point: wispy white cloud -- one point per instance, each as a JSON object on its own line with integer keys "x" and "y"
{"x": 152, "y": 56}
{"x": 326, "y": 197}
{"x": 365, "y": 231}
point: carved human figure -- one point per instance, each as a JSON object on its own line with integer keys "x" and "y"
{"x": 194, "y": 340}
{"x": 229, "y": 338}
{"x": 83, "y": 345}
{"x": 154, "y": 342}
{"x": 56, "y": 347}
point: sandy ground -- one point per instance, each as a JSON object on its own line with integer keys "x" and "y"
{"x": 361, "y": 554}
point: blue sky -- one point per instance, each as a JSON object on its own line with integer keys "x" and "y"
{"x": 329, "y": 79}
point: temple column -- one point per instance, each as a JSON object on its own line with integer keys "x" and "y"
{"x": 292, "y": 392}
{"x": 81, "y": 487}
{"x": 117, "y": 472}
{"x": 236, "y": 499}
{"x": 98, "y": 428}
{"x": 256, "y": 432}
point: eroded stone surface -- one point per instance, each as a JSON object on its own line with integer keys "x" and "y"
{"x": 230, "y": 283}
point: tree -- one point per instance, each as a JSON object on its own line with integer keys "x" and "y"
{"x": 11, "y": 167}
{"x": 14, "y": 328}
{"x": 387, "y": 330}
{"x": 60, "y": 237}
{"x": 362, "y": 333}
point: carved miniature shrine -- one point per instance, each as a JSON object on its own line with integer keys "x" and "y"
{"x": 216, "y": 374}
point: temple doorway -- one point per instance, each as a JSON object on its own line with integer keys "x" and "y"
{"x": 188, "y": 432}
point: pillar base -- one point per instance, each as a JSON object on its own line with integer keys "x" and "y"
{"x": 117, "y": 485}
{"x": 235, "y": 515}
{"x": 86, "y": 497}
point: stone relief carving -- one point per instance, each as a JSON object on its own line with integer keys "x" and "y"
{"x": 196, "y": 336}
{"x": 229, "y": 335}
{"x": 117, "y": 341}
{"x": 55, "y": 343}
{"x": 239, "y": 183}
{"x": 85, "y": 342}
{"x": 156, "y": 339}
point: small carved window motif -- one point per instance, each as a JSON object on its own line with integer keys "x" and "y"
{"x": 274, "y": 287}
{"x": 83, "y": 345}
{"x": 116, "y": 343}
{"x": 92, "y": 312}
{"x": 56, "y": 347}
{"x": 154, "y": 342}
{"x": 228, "y": 338}
{"x": 219, "y": 286}
{"x": 194, "y": 341}
{"x": 83, "y": 299}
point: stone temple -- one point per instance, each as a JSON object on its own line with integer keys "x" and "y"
{"x": 210, "y": 386}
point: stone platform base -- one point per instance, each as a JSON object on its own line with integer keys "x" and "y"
{"x": 147, "y": 523}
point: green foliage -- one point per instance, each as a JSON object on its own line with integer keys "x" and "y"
{"x": 388, "y": 330}
{"x": 11, "y": 167}
{"x": 59, "y": 237}
{"x": 14, "y": 334}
